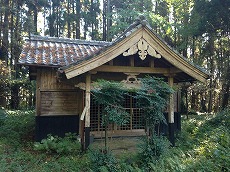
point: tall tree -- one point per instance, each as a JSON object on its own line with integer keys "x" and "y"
{"x": 123, "y": 13}
{"x": 213, "y": 23}
{"x": 5, "y": 31}
{"x": 91, "y": 13}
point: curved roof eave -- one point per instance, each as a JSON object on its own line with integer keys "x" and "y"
{"x": 125, "y": 41}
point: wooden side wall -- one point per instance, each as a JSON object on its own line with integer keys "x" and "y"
{"x": 56, "y": 97}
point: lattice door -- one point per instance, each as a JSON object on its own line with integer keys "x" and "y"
{"x": 135, "y": 120}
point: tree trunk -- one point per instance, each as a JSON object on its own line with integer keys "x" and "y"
{"x": 108, "y": 20}
{"x": 226, "y": 96}
{"x": 211, "y": 64}
{"x": 35, "y": 19}
{"x": 14, "y": 104}
{"x": 104, "y": 15}
{"x": 51, "y": 21}
{"x": 5, "y": 30}
{"x": 68, "y": 20}
{"x": 184, "y": 100}
{"x": 226, "y": 90}
{"x": 78, "y": 16}
{"x": 1, "y": 22}
{"x": 193, "y": 100}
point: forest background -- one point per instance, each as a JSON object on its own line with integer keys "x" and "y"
{"x": 198, "y": 29}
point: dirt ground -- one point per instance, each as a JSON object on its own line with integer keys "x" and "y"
{"x": 120, "y": 145}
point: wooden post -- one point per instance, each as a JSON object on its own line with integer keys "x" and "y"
{"x": 171, "y": 113}
{"x": 87, "y": 115}
{"x": 132, "y": 61}
{"x": 38, "y": 93}
{"x": 152, "y": 63}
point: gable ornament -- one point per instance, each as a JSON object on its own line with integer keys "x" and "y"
{"x": 132, "y": 82}
{"x": 142, "y": 48}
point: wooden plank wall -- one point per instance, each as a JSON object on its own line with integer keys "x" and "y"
{"x": 55, "y": 97}
{"x": 50, "y": 81}
{"x": 59, "y": 103}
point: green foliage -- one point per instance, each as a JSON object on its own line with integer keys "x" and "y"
{"x": 206, "y": 140}
{"x": 15, "y": 88}
{"x": 153, "y": 148}
{"x": 125, "y": 13}
{"x": 16, "y": 148}
{"x": 222, "y": 118}
{"x": 108, "y": 92}
{"x": 2, "y": 115}
{"x": 152, "y": 97}
{"x": 213, "y": 15}
{"x": 54, "y": 144}
{"x": 28, "y": 160}
{"x": 110, "y": 95}
{"x": 169, "y": 163}
{"x": 102, "y": 160}
{"x": 17, "y": 126}
{"x": 166, "y": 28}
{"x": 203, "y": 145}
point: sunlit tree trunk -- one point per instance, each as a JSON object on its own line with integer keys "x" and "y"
{"x": 211, "y": 66}
{"x": 5, "y": 32}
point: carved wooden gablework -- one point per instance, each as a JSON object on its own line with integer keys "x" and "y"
{"x": 143, "y": 49}
{"x": 132, "y": 81}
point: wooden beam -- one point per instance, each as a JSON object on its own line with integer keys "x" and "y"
{"x": 131, "y": 69}
{"x": 38, "y": 93}
{"x": 87, "y": 100}
{"x": 171, "y": 102}
{"x": 171, "y": 113}
{"x": 87, "y": 106}
{"x": 33, "y": 74}
{"x": 83, "y": 114}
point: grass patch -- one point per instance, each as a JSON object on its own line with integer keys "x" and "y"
{"x": 203, "y": 145}
{"x": 17, "y": 148}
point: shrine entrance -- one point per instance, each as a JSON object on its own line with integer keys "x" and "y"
{"x": 134, "y": 125}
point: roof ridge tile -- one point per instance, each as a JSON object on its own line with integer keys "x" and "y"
{"x": 66, "y": 40}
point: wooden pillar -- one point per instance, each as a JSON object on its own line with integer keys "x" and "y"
{"x": 171, "y": 113}
{"x": 38, "y": 93}
{"x": 132, "y": 61}
{"x": 87, "y": 115}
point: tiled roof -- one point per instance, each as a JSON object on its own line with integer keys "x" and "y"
{"x": 65, "y": 53}
{"x": 58, "y": 52}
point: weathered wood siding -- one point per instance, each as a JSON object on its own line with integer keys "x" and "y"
{"x": 55, "y": 97}
{"x": 59, "y": 103}
{"x": 49, "y": 80}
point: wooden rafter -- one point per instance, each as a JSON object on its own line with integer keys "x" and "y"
{"x": 127, "y": 69}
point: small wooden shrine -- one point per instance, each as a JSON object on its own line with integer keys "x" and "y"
{"x": 64, "y": 70}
